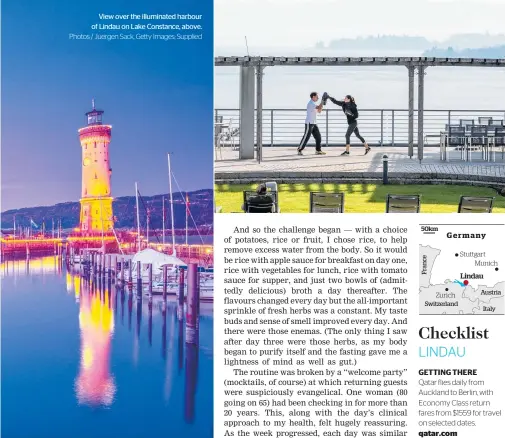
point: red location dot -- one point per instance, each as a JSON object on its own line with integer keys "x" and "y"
{"x": 465, "y": 282}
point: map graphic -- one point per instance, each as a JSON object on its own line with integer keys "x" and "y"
{"x": 459, "y": 270}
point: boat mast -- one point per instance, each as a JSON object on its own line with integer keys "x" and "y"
{"x": 147, "y": 227}
{"x": 187, "y": 211}
{"x": 14, "y": 226}
{"x": 138, "y": 216}
{"x": 163, "y": 218}
{"x": 171, "y": 204}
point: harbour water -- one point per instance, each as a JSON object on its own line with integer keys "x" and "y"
{"x": 82, "y": 359}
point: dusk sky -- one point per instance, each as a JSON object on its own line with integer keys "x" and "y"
{"x": 157, "y": 95}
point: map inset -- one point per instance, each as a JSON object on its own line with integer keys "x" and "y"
{"x": 455, "y": 280}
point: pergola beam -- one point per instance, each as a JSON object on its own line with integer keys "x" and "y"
{"x": 234, "y": 61}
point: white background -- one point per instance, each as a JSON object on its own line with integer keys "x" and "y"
{"x": 485, "y": 355}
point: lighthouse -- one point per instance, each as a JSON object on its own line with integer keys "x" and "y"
{"x": 96, "y": 200}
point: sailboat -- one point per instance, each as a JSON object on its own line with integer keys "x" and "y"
{"x": 157, "y": 259}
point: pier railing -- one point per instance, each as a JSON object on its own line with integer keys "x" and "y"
{"x": 380, "y": 127}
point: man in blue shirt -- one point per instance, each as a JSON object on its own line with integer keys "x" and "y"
{"x": 311, "y": 125}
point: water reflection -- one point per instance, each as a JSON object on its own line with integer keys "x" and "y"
{"x": 26, "y": 266}
{"x": 180, "y": 345}
{"x": 150, "y": 323}
{"x": 130, "y": 309}
{"x": 104, "y": 378}
{"x": 95, "y": 385}
{"x": 190, "y": 383}
{"x": 164, "y": 333}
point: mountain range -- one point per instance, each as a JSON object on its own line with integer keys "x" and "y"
{"x": 201, "y": 208}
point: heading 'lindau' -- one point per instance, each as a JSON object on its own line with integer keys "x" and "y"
{"x": 442, "y": 352}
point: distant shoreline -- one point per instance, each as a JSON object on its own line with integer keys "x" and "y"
{"x": 487, "y": 52}
{"x": 460, "y": 45}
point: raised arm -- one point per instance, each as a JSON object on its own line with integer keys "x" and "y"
{"x": 335, "y": 101}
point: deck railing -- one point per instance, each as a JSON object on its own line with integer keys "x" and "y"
{"x": 380, "y": 127}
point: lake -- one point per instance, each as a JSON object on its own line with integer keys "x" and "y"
{"x": 373, "y": 87}
{"x": 87, "y": 360}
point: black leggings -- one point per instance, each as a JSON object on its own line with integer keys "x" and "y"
{"x": 353, "y": 127}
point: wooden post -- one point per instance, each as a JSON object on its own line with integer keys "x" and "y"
{"x": 122, "y": 270}
{"x": 139, "y": 279}
{"x": 130, "y": 271}
{"x": 180, "y": 294}
{"x": 192, "y": 304}
{"x": 150, "y": 267}
{"x": 165, "y": 282}
{"x": 139, "y": 272}
{"x": 99, "y": 285}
